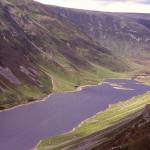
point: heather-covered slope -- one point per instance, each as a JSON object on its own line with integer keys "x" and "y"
{"x": 123, "y": 33}
{"x": 42, "y": 52}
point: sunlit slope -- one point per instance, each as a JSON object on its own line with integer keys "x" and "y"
{"x": 80, "y": 136}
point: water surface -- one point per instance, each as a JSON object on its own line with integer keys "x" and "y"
{"x": 21, "y": 128}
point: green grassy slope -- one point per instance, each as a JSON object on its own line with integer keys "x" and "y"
{"x": 42, "y": 52}
{"x": 96, "y": 123}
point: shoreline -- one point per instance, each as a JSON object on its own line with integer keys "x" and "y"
{"x": 80, "y": 88}
{"x": 84, "y": 121}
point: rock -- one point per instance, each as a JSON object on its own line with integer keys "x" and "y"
{"x": 9, "y": 75}
{"x": 146, "y": 113}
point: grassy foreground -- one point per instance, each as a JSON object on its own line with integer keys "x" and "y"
{"x": 96, "y": 123}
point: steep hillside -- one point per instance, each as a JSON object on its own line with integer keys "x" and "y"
{"x": 134, "y": 134}
{"x": 43, "y": 52}
{"x": 125, "y": 34}
{"x": 130, "y": 134}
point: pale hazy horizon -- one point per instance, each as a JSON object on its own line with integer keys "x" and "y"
{"x": 133, "y": 6}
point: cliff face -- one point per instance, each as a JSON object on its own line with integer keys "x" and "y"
{"x": 125, "y": 34}
{"x": 42, "y": 52}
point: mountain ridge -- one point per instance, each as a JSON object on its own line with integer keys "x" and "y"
{"x": 126, "y": 33}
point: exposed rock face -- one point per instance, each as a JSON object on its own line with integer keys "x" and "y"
{"x": 7, "y": 73}
{"x": 146, "y": 113}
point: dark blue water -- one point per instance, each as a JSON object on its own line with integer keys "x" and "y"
{"x": 21, "y": 128}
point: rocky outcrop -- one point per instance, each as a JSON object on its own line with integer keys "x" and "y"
{"x": 7, "y": 73}
{"x": 146, "y": 113}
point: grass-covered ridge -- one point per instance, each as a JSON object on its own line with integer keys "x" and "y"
{"x": 67, "y": 81}
{"x": 96, "y": 123}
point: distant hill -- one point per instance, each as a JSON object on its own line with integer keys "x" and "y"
{"x": 123, "y": 33}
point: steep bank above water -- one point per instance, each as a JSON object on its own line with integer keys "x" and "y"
{"x": 114, "y": 136}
